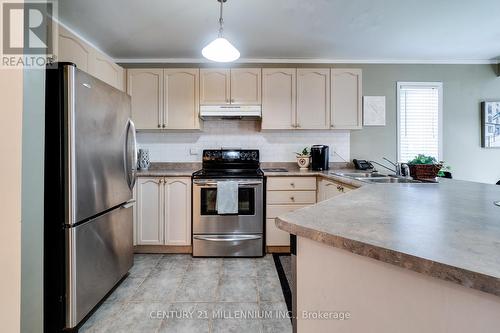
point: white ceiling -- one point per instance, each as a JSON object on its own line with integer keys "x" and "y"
{"x": 382, "y": 30}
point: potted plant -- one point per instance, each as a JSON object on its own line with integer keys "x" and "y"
{"x": 303, "y": 158}
{"x": 424, "y": 167}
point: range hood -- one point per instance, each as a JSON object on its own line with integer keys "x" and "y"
{"x": 231, "y": 111}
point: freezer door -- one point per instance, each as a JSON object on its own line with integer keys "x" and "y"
{"x": 101, "y": 146}
{"x": 99, "y": 254}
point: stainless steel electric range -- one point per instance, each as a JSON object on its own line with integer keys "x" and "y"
{"x": 229, "y": 235}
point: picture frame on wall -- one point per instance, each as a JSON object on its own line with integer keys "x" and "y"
{"x": 490, "y": 124}
{"x": 374, "y": 111}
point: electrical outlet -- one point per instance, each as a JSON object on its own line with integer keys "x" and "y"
{"x": 194, "y": 151}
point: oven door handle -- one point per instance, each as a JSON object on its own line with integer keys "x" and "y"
{"x": 231, "y": 238}
{"x": 214, "y": 184}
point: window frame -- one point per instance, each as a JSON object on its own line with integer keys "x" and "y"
{"x": 434, "y": 84}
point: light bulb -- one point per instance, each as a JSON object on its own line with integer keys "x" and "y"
{"x": 220, "y": 50}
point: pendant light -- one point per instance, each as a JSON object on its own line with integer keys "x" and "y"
{"x": 220, "y": 49}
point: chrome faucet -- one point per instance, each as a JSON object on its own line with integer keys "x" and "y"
{"x": 398, "y": 170}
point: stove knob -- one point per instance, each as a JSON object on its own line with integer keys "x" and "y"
{"x": 254, "y": 156}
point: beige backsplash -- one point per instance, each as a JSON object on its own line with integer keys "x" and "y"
{"x": 274, "y": 146}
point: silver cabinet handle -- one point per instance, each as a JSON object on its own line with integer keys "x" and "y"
{"x": 227, "y": 239}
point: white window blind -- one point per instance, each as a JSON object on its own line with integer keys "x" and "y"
{"x": 419, "y": 119}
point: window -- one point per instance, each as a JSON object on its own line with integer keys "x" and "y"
{"x": 420, "y": 107}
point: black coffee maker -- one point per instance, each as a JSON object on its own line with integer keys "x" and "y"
{"x": 320, "y": 157}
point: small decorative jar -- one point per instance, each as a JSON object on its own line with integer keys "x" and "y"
{"x": 303, "y": 161}
{"x": 143, "y": 159}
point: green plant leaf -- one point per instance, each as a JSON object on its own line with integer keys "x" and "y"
{"x": 423, "y": 159}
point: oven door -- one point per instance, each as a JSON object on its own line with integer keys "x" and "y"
{"x": 250, "y": 215}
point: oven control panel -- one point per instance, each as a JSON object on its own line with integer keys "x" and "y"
{"x": 230, "y": 155}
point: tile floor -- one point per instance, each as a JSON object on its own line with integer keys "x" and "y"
{"x": 178, "y": 293}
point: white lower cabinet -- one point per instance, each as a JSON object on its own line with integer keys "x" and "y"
{"x": 328, "y": 189}
{"x": 177, "y": 210}
{"x": 163, "y": 211}
{"x": 149, "y": 212}
{"x": 284, "y": 195}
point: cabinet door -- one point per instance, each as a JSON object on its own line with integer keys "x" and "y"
{"x": 178, "y": 211}
{"x": 313, "y": 98}
{"x": 149, "y": 215}
{"x": 181, "y": 98}
{"x": 145, "y": 87}
{"x": 275, "y": 236}
{"x": 329, "y": 189}
{"x": 346, "y": 95}
{"x": 278, "y": 98}
{"x": 103, "y": 68}
{"x": 245, "y": 86}
{"x": 214, "y": 86}
{"x": 72, "y": 49}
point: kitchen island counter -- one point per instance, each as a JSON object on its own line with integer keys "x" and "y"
{"x": 411, "y": 258}
{"x": 449, "y": 230}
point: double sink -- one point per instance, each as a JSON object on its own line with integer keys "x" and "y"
{"x": 376, "y": 178}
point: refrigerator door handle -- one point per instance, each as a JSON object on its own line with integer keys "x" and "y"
{"x": 131, "y": 151}
{"x": 129, "y": 204}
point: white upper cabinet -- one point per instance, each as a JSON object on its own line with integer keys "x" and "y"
{"x": 240, "y": 86}
{"x": 346, "y": 110}
{"x": 215, "y": 86}
{"x": 149, "y": 211}
{"x": 278, "y": 98}
{"x": 72, "y": 49}
{"x": 164, "y": 98}
{"x": 181, "y": 98}
{"x": 177, "y": 211}
{"x": 313, "y": 98}
{"x": 145, "y": 86}
{"x": 103, "y": 68}
{"x": 245, "y": 86}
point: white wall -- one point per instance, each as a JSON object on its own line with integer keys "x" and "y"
{"x": 11, "y": 97}
{"x": 274, "y": 146}
{"x": 464, "y": 88}
{"x": 32, "y": 202}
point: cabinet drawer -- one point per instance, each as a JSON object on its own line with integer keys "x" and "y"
{"x": 276, "y": 236}
{"x": 291, "y": 197}
{"x": 274, "y": 211}
{"x": 291, "y": 183}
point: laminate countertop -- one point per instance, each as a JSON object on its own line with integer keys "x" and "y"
{"x": 169, "y": 170}
{"x": 448, "y": 230}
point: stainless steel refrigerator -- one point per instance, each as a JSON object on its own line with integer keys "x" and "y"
{"x": 90, "y": 162}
